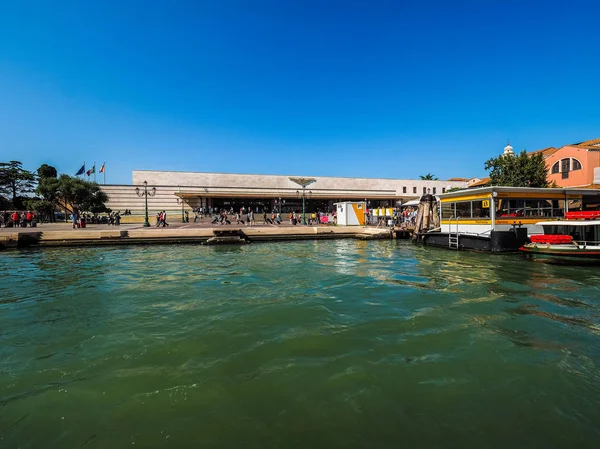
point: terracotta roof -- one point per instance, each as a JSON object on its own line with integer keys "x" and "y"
{"x": 546, "y": 151}
{"x": 593, "y": 144}
{"x": 482, "y": 183}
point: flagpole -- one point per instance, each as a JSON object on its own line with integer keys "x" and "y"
{"x": 104, "y": 171}
{"x": 83, "y": 170}
{"x": 94, "y": 171}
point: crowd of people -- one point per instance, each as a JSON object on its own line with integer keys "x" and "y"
{"x": 81, "y": 220}
{"x": 244, "y": 216}
{"x": 409, "y": 216}
{"x": 161, "y": 219}
{"x": 16, "y": 219}
{"x": 247, "y": 217}
{"x": 402, "y": 217}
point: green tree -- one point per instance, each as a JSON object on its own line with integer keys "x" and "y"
{"x": 518, "y": 171}
{"x": 69, "y": 193}
{"x": 47, "y": 186}
{"x": 16, "y": 183}
{"x": 428, "y": 177}
{"x": 4, "y": 203}
{"x": 46, "y": 171}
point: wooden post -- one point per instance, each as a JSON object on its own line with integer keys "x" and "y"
{"x": 425, "y": 220}
{"x": 419, "y": 221}
{"x": 436, "y": 215}
{"x": 426, "y": 216}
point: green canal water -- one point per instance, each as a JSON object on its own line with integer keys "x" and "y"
{"x": 337, "y": 344}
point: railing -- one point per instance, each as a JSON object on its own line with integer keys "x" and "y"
{"x": 453, "y": 239}
{"x": 586, "y": 243}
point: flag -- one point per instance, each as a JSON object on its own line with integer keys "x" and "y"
{"x": 91, "y": 170}
{"x": 81, "y": 171}
{"x": 102, "y": 168}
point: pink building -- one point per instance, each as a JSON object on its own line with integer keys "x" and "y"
{"x": 572, "y": 165}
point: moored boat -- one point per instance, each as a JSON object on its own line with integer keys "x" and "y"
{"x": 573, "y": 242}
{"x": 502, "y": 219}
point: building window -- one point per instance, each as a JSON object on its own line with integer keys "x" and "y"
{"x": 576, "y": 165}
{"x": 414, "y": 190}
{"x": 443, "y": 189}
{"x": 424, "y": 190}
{"x": 404, "y": 189}
{"x": 463, "y": 209}
{"x": 434, "y": 190}
{"x": 564, "y": 167}
{"x": 448, "y": 210}
{"x": 555, "y": 168}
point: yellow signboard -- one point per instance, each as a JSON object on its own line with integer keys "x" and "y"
{"x": 486, "y": 204}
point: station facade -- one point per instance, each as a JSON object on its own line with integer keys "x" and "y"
{"x": 177, "y": 191}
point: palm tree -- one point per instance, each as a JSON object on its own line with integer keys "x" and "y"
{"x": 428, "y": 177}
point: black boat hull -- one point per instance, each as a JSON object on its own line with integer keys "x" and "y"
{"x": 494, "y": 242}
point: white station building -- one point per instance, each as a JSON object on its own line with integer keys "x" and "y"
{"x": 177, "y": 191}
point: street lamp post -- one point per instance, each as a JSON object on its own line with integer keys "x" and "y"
{"x": 146, "y": 193}
{"x": 303, "y": 182}
{"x": 304, "y": 195}
{"x": 180, "y": 201}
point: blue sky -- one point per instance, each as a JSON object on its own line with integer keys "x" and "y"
{"x": 341, "y": 88}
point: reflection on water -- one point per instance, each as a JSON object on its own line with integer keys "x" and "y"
{"x": 310, "y": 344}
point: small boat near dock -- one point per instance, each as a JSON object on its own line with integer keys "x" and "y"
{"x": 573, "y": 242}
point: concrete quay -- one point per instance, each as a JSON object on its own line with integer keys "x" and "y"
{"x": 61, "y": 235}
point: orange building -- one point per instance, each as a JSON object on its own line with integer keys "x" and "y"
{"x": 572, "y": 165}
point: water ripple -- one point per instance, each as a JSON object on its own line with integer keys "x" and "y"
{"x": 363, "y": 344}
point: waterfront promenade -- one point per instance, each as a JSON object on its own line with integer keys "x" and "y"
{"x": 62, "y": 234}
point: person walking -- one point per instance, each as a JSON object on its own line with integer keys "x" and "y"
{"x": 15, "y": 219}
{"x": 75, "y": 219}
